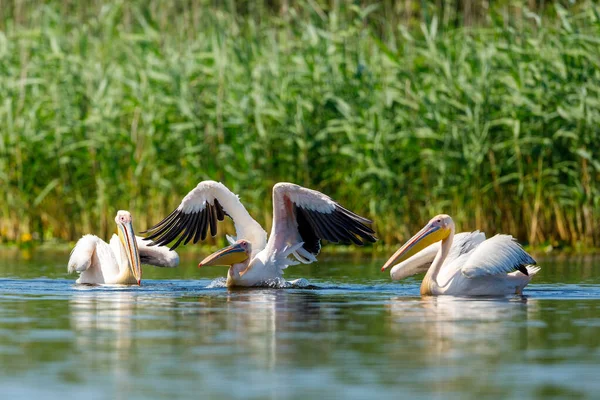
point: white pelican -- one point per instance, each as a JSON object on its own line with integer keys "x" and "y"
{"x": 301, "y": 218}
{"x": 120, "y": 261}
{"x": 475, "y": 266}
{"x": 420, "y": 262}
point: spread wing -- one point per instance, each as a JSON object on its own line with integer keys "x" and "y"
{"x": 500, "y": 254}
{"x": 201, "y": 208}
{"x": 307, "y": 216}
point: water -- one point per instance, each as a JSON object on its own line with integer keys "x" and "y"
{"x": 353, "y": 334}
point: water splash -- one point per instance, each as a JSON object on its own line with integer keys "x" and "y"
{"x": 300, "y": 283}
{"x": 280, "y": 283}
{"x": 275, "y": 283}
{"x": 217, "y": 283}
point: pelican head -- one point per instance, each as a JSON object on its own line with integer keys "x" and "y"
{"x": 128, "y": 241}
{"x": 238, "y": 252}
{"x": 437, "y": 229}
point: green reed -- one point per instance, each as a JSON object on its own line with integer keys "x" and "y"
{"x": 128, "y": 106}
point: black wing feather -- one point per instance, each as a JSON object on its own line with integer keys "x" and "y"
{"x": 311, "y": 241}
{"x": 330, "y": 233}
{"x": 205, "y": 217}
{"x": 212, "y": 219}
{"x": 340, "y": 225}
{"x": 161, "y": 229}
{"x": 174, "y": 233}
{"x": 192, "y": 228}
{"x": 165, "y": 220}
{"x": 199, "y": 227}
{"x": 523, "y": 268}
{"x": 220, "y": 211}
{"x": 168, "y": 230}
{"x": 313, "y": 224}
{"x": 363, "y": 231}
{"x": 340, "y": 235}
{"x": 186, "y": 226}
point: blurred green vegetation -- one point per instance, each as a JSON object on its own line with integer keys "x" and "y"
{"x": 488, "y": 111}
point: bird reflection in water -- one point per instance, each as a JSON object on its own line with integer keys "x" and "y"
{"x": 253, "y": 322}
{"x": 103, "y": 319}
{"x": 462, "y": 342}
{"x": 109, "y": 328}
{"x": 451, "y": 327}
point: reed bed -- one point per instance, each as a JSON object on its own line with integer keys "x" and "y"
{"x": 121, "y": 107}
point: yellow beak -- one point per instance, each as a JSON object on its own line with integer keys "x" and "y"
{"x": 131, "y": 249}
{"x": 228, "y": 256}
{"x": 424, "y": 238}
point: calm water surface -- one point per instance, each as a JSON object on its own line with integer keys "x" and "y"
{"x": 353, "y": 334}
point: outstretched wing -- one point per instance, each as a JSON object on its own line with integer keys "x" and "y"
{"x": 500, "y": 254}
{"x": 202, "y": 208}
{"x": 305, "y": 215}
{"x": 463, "y": 243}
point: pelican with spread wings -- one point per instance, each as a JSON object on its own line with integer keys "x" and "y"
{"x": 301, "y": 218}
{"x": 119, "y": 262}
{"x": 469, "y": 266}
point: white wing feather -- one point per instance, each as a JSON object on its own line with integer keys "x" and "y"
{"x": 82, "y": 253}
{"x": 89, "y": 251}
{"x": 159, "y": 256}
{"x": 245, "y": 226}
{"x": 284, "y": 230}
{"x": 464, "y": 242}
{"x": 500, "y": 254}
{"x": 303, "y": 197}
{"x": 191, "y": 217}
{"x": 322, "y": 218}
{"x": 93, "y": 259}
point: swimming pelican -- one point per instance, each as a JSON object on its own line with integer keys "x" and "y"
{"x": 301, "y": 218}
{"x": 120, "y": 261}
{"x": 475, "y": 266}
{"x": 421, "y": 261}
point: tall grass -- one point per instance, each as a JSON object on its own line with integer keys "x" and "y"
{"x": 497, "y": 125}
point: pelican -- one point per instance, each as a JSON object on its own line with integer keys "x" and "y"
{"x": 120, "y": 261}
{"x": 474, "y": 267}
{"x": 421, "y": 261}
{"x": 301, "y": 218}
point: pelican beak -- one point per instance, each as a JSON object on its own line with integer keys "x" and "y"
{"x": 424, "y": 238}
{"x": 228, "y": 256}
{"x": 131, "y": 249}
